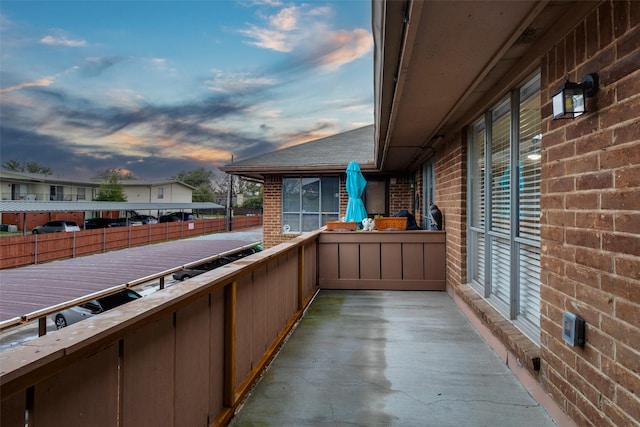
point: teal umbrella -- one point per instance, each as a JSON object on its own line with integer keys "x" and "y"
{"x": 355, "y": 187}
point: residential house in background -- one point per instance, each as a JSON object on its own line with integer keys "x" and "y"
{"x": 542, "y": 216}
{"x": 50, "y": 188}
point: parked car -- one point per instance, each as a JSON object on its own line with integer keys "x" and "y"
{"x": 184, "y": 216}
{"x": 93, "y": 223}
{"x": 55, "y": 227}
{"x": 145, "y": 219}
{"x": 169, "y": 218}
{"x": 89, "y": 309}
{"x": 188, "y": 273}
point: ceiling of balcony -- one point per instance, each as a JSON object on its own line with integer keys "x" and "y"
{"x": 439, "y": 62}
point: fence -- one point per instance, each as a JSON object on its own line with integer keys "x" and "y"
{"x": 24, "y": 250}
{"x": 182, "y": 357}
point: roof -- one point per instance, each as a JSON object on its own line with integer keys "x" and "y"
{"x": 64, "y": 283}
{"x": 327, "y": 155}
{"x": 36, "y": 206}
{"x": 44, "y": 178}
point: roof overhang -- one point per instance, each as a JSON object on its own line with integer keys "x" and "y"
{"x": 439, "y": 63}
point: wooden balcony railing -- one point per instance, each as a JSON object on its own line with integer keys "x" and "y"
{"x": 187, "y": 355}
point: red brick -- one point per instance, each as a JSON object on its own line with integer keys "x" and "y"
{"x": 621, "y": 286}
{"x": 629, "y": 402}
{"x": 594, "y": 181}
{"x": 593, "y": 258}
{"x": 621, "y": 243}
{"x": 561, "y": 152}
{"x": 628, "y": 267}
{"x": 587, "y": 163}
{"x": 620, "y": 330}
{"x": 621, "y": 200}
{"x": 627, "y": 222}
{"x": 628, "y": 358}
{"x": 581, "y": 237}
{"x": 581, "y": 201}
{"x": 627, "y": 177}
{"x": 620, "y": 18}
{"x": 598, "y": 221}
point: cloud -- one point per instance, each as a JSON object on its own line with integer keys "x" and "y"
{"x": 305, "y": 33}
{"x": 62, "y": 41}
{"x": 224, "y": 82}
{"x": 94, "y": 66}
{"x": 41, "y": 82}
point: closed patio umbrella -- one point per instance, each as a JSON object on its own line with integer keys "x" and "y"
{"x": 355, "y": 187}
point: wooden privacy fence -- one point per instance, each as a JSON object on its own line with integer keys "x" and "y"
{"x": 185, "y": 356}
{"x": 24, "y": 250}
{"x": 390, "y": 260}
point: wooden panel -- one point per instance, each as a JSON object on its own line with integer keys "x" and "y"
{"x": 391, "y": 262}
{"x": 412, "y": 261}
{"x": 83, "y": 394}
{"x": 12, "y": 410}
{"x": 244, "y": 324}
{"x": 148, "y": 375}
{"x": 217, "y": 350}
{"x": 388, "y": 285}
{"x": 370, "y": 261}
{"x": 435, "y": 261}
{"x": 192, "y": 364}
{"x": 260, "y": 343}
{"x": 327, "y": 259}
{"x": 349, "y": 261}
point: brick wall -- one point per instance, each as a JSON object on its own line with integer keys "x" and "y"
{"x": 401, "y": 194}
{"x": 451, "y": 198}
{"x": 590, "y": 200}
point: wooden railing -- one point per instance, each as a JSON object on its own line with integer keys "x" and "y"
{"x": 184, "y": 356}
{"x": 393, "y": 260}
{"x": 19, "y": 251}
{"x": 187, "y": 355}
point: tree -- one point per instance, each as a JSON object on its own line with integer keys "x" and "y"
{"x": 203, "y": 193}
{"x": 31, "y": 167}
{"x": 111, "y": 191}
{"x": 195, "y": 178}
{"x": 108, "y": 173}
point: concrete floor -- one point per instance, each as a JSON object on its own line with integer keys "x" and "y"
{"x": 381, "y": 358}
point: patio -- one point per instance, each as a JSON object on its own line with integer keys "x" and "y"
{"x": 388, "y": 358}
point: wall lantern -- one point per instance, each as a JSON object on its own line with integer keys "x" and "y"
{"x": 568, "y": 102}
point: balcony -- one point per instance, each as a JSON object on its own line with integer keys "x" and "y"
{"x": 189, "y": 355}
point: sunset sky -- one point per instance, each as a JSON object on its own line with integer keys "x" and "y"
{"x": 156, "y": 87}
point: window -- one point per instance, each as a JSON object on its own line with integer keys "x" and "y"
{"x": 160, "y": 192}
{"x": 309, "y": 202}
{"x": 504, "y": 207}
{"x": 56, "y": 192}
{"x": 428, "y": 197}
{"x": 80, "y": 195}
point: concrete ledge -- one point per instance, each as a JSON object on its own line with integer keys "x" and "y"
{"x": 527, "y": 352}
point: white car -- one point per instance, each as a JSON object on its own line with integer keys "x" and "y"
{"x": 89, "y": 309}
{"x": 56, "y": 227}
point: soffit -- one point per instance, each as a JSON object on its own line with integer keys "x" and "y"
{"x": 456, "y": 57}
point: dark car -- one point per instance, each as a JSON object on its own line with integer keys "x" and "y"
{"x": 188, "y": 273}
{"x": 169, "y": 218}
{"x": 91, "y": 308}
{"x": 94, "y": 223}
{"x": 56, "y": 227}
{"x": 183, "y": 216}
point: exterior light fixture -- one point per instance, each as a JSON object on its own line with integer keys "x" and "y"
{"x": 568, "y": 102}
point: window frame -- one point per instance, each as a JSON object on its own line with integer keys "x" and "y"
{"x": 488, "y": 245}
{"x": 322, "y": 214}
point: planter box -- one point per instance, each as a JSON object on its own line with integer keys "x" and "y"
{"x": 342, "y": 226}
{"x": 391, "y": 223}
